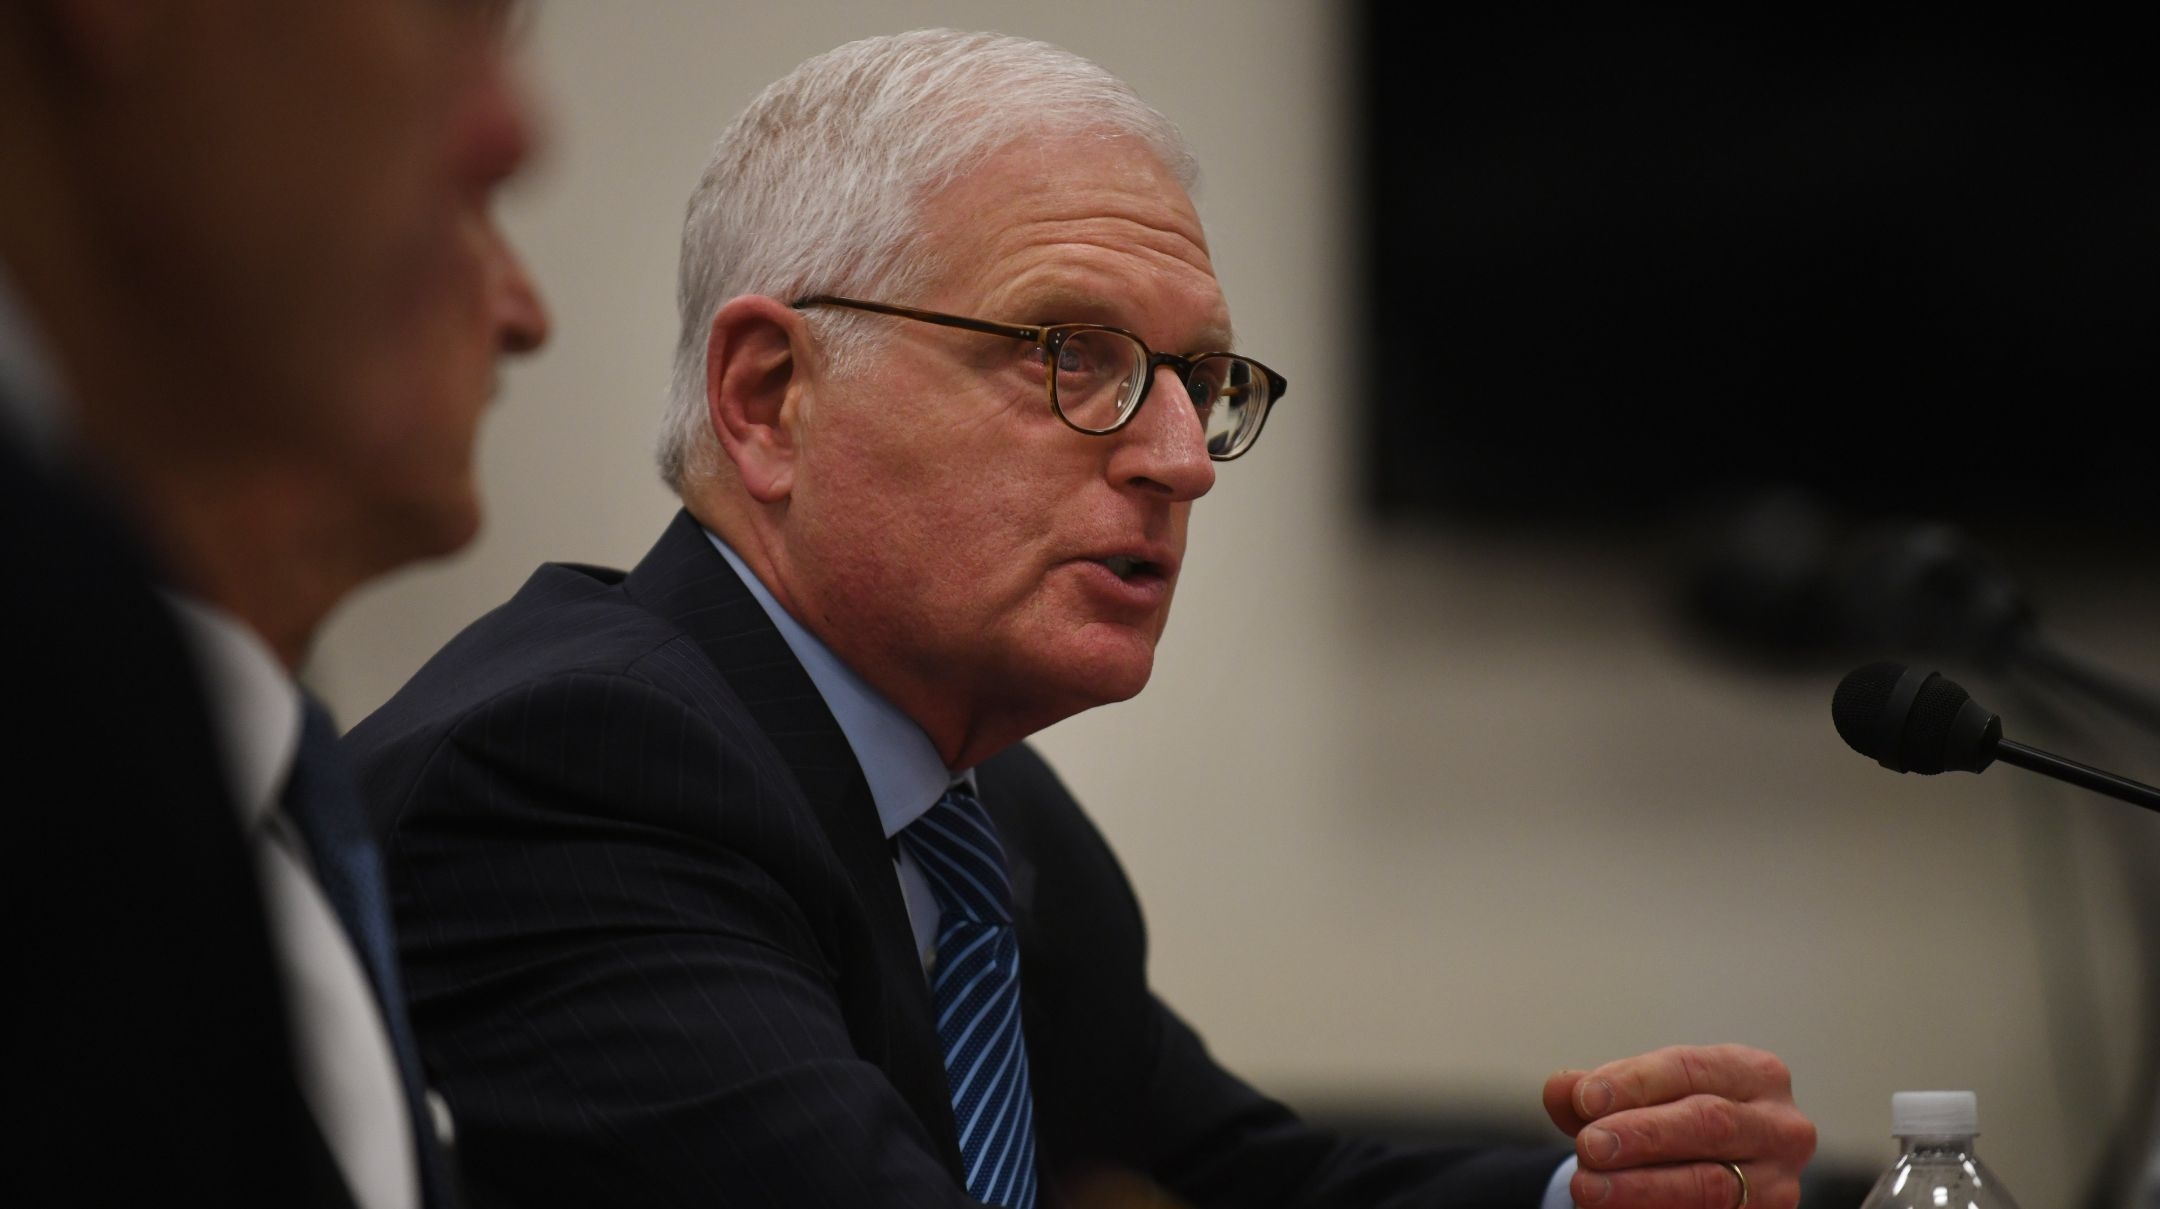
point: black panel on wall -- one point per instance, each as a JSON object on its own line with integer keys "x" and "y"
{"x": 1619, "y": 259}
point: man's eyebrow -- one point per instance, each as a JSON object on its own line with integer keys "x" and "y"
{"x": 1062, "y": 306}
{"x": 1069, "y": 306}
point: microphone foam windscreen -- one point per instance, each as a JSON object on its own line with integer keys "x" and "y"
{"x": 1927, "y": 732}
{"x": 1857, "y": 706}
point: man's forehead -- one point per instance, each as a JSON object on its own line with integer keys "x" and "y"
{"x": 1085, "y": 230}
{"x": 1072, "y": 297}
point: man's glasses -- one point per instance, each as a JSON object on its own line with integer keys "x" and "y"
{"x": 1099, "y": 376}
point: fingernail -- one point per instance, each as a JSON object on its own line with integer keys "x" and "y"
{"x": 1592, "y": 1188}
{"x": 1593, "y": 1096}
{"x": 1600, "y": 1145}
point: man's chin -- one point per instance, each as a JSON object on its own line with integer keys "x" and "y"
{"x": 455, "y": 528}
{"x": 1117, "y": 670}
{"x": 424, "y": 529}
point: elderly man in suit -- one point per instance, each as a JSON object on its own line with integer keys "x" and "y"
{"x": 730, "y": 877}
{"x": 250, "y": 307}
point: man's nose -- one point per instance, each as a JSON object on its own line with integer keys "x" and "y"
{"x": 521, "y": 317}
{"x": 1163, "y": 448}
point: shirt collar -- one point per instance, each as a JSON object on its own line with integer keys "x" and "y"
{"x": 254, "y": 704}
{"x": 905, "y": 772}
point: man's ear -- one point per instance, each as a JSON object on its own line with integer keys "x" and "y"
{"x": 756, "y": 373}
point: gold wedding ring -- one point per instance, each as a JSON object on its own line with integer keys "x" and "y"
{"x": 1740, "y": 1176}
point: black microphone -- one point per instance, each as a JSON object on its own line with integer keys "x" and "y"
{"x": 1912, "y": 721}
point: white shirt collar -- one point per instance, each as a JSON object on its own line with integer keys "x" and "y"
{"x": 254, "y": 704}
{"x": 905, "y": 772}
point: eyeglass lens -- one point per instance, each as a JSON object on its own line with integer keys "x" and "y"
{"x": 1102, "y": 374}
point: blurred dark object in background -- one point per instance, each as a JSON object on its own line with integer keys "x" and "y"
{"x": 1621, "y": 259}
{"x": 1779, "y": 582}
{"x": 1779, "y": 578}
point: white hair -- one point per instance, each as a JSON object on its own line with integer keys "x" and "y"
{"x": 819, "y": 186}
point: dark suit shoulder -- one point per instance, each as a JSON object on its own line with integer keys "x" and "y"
{"x": 566, "y": 680}
{"x": 564, "y": 618}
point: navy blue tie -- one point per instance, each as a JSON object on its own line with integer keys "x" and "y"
{"x": 323, "y": 802}
{"x": 975, "y": 989}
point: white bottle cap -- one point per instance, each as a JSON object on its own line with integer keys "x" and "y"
{"x": 1936, "y": 1114}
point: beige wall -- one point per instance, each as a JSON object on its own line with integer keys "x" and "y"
{"x": 1467, "y": 812}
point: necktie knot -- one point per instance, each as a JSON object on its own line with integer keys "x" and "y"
{"x": 957, "y": 846}
{"x": 320, "y": 798}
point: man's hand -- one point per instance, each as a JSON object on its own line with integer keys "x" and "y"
{"x": 1658, "y": 1130}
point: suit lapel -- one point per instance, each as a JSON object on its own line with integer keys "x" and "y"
{"x": 686, "y": 581}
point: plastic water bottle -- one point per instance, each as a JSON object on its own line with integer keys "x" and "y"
{"x": 1936, "y": 1167}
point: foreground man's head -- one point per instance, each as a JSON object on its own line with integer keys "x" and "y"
{"x": 922, "y": 490}
{"x": 256, "y": 236}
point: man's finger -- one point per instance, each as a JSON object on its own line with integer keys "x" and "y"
{"x": 1679, "y": 1186}
{"x": 1736, "y": 1072}
{"x": 1698, "y": 1127}
{"x": 1560, "y": 1101}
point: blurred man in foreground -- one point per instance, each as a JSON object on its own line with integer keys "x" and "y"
{"x": 729, "y": 877}
{"x": 250, "y": 304}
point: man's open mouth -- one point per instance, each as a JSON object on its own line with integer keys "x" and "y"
{"x": 1128, "y": 568}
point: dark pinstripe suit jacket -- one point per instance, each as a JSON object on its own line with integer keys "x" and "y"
{"x": 658, "y": 956}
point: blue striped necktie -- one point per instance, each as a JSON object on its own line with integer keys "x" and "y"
{"x": 976, "y": 991}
